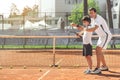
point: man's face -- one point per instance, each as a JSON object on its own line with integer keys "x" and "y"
{"x": 86, "y": 23}
{"x": 92, "y": 14}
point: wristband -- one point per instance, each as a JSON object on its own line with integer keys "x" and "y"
{"x": 77, "y": 25}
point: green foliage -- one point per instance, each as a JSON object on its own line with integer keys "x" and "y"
{"x": 77, "y": 12}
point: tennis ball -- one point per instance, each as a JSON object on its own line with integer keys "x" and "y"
{"x": 24, "y": 67}
{"x": 50, "y": 65}
{"x": 1, "y": 67}
{"x": 11, "y": 67}
{"x": 40, "y": 70}
{"x": 59, "y": 67}
{"x": 77, "y": 65}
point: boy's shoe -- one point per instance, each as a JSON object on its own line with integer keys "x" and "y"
{"x": 96, "y": 71}
{"x": 104, "y": 68}
{"x": 88, "y": 71}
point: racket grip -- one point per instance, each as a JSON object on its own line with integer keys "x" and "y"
{"x": 78, "y": 35}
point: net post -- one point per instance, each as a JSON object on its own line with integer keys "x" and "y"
{"x": 54, "y": 45}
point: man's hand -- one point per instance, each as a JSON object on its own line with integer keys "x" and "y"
{"x": 73, "y": 24}
{"x": 79, "y": 27}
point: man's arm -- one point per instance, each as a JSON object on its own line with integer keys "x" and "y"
{"x": 92, "y": 29}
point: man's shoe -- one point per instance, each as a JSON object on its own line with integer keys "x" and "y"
{"x": 104, "y": 68}
{"x": 97, "y": 71}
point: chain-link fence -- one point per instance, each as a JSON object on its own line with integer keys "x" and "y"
{"x": 45, "y": 24}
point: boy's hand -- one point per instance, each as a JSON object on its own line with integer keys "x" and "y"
{"x": 84, "y": 29}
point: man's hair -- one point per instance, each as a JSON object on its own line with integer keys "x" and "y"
{"x": 92, "y": 9}
{"x": 86, "y": 18}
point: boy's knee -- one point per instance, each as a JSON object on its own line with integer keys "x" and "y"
{"x": 88, "y": 56}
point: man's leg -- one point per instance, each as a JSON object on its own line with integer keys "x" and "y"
{"x": 98, "y": 56}
{"x": 103, "y": 60}
{"x": 104, "y": 67}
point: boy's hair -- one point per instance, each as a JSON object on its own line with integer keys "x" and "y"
{"x": 92, "y": 9}
{"x": 86, "y": 18}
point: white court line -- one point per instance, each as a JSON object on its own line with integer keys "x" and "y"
{"x": 59, "y": 61}
{"x": 44, "y": 75}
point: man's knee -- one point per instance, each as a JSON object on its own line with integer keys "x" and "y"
{"x": 98, "y": 50}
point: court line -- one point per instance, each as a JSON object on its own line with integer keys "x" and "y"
{"x": 45, "y": 74}
{"x": 59, "y": 61}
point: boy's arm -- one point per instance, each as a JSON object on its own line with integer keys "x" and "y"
{"x": 79, "y": 27}
{"x": 81, "y": 32}
{"x": 92, "y": 29}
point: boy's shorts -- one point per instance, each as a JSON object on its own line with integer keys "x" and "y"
{"x": 87, "y": 50}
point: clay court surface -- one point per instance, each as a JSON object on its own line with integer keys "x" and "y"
{"x": 71, "y": 65}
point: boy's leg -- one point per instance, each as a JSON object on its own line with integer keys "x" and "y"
{"x": 87, "y": 52}
{"x": 89, "y": 61}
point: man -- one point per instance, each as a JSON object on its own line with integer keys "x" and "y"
{"x": 105, "y": 36}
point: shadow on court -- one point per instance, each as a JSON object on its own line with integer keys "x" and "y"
{"x": 111, "y": 74}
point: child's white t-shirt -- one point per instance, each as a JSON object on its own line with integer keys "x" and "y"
{"x": 87, "y": 36}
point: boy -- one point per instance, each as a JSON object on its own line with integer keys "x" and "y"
{"x": 87, "y": 43}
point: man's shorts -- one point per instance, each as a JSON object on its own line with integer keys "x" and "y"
{"x": 87, "y": 50}
{"x": 104, "y": 41}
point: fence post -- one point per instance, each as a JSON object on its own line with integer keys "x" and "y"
{"x": 24, "y": 43}
{"x": 45, "y": 20}
{"x": 3, "y": 30}
{"x": 2, "y": 22}
{"x": 4, "y": 40}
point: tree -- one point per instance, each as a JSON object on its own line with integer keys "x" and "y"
{"x": 85, "y": 7}
{"x": 109, "y": 14}
{"x": 119, "y": 18}
{"x": 32, "y": 12}
{"x": 14, "y": 11}
{"x": 26, "y": 11}
{"x": 35, "y": 10}
{"x": 77, "y": 12}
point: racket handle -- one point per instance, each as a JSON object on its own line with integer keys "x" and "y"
{"x": 78, "y": 35}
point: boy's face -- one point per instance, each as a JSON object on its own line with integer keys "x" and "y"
{"x": 86, "y": 23}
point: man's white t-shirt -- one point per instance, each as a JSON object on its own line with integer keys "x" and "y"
{"x": 103, "y": 29}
